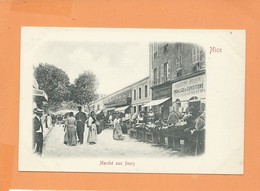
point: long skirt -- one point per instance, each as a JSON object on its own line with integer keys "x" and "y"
{"x": 70, "y": 137}
{"x": 117, "y": 133}
{"x": 92, "y": 134}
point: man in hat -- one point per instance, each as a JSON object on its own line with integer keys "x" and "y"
{"x": 81, "y": 117}
{"x": 38, "y": 131}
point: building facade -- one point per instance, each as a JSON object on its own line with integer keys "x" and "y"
{"x": 141, "y": 95}
{"x": 177, "y": 76}
{"x": 119, "y": 101}
{"x": 128, "y": 100}
{"x": 98, "y": 105}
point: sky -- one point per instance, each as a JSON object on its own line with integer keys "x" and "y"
{"x": 115, "y": 64}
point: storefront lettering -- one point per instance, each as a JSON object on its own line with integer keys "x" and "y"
{"x": 191, "y": 87}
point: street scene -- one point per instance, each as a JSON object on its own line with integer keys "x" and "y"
{"x": 159, "y": 112}
{"x": 106, "y": 147}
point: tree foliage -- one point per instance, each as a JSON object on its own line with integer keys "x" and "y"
{"x": 61, "y": 94}
{"x": 54, "y": 81}
{"x": 84, "y": 88}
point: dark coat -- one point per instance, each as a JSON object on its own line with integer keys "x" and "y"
{"x": 37, "y": 125}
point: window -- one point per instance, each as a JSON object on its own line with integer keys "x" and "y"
{"x": 155, "y": 50}
{"x": 196, "y": 55}
{"x": 165, "y": 72}
{"x": 179, "y": 58}
{"x": 139, "y": 108}
{"x": 179, "y": 73}
{"x": 197, "y": 58}
{"x": 155, "y": 76}
{"x": 165, "y": 47}
{"x": 145, "y": 91}
{"x": 197, "y": 67}
{"x": 140, "y": 93}
{"x": 97, "y": 107}
{"x": 134, "y": 109}
{"x": 134, "y": 94}
{"x": 160, "y": 75}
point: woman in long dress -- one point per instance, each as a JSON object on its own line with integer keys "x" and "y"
{"x": 70, "y": 137}
{"x": 92, "y": 132}
{"x": 117, "y": 131}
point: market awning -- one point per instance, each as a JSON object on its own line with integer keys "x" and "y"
{"x": 122, "y": 109}
{"x": 40, "y": 93}
{"x": 156, "y": 102}
{"x": 110, "y": 108}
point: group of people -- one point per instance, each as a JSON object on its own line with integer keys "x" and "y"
{"x": 75, "y": 128}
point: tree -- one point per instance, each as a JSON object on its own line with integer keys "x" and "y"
{"x": 55, "y": 82}
{"x": 83, "y": 91}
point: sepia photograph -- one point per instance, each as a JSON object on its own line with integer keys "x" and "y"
{"x": 131, "y": 100}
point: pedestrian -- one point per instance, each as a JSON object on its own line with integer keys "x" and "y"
{"x": 140, "y": 117}
{"x": 81, "y": 119}
{"x": 92, "y": 132}
{"x": 48, "y": 121}
{"x": 38, "y": 131}
{"x": 173, "y": 118}
{"x": 70, "y": 137}
{"x": 59, "y": 119}
{"x": 101, "y": 119}
{"x": 117, "y": 131}
{"x": 111, "y": 119}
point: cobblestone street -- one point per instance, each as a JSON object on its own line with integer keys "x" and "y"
{"x": 106, "y": 147}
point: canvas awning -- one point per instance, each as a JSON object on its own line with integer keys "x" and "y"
{"x": 122, "y": 109}
{"x": 156, "y": 102}
{"x": 40, "y": 93}
{"x": 110, "y": 108}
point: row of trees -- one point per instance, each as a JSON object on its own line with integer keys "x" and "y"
{"x": 61, "y": 93}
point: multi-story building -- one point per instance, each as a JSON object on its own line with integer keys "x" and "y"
{"x": 119, "y": 101}
{"x": 98, "y": 105}
{"x": 177, "y": 77}
{"x": 128, "y": 100}
{"x": 141, "y": 95}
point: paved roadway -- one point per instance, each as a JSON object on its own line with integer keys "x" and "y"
{"x": 106, "y": 147}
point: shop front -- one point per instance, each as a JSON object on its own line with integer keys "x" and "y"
{"x": 189, "y": 96}
{"x": 190, "y": 93}
{"x": 161, "y": 100}
{"x": 119, "y": 107}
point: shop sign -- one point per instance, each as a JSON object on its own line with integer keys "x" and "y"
{"x": 162, "y": 92}
{"x": 185, "y": 89}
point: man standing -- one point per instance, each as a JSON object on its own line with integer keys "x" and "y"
{"x": 81, "y": 118}
{"x": 173, "y": 118}
{"x": 38, "y": 131}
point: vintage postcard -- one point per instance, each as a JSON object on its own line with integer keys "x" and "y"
{"x": 132, "y": 100}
